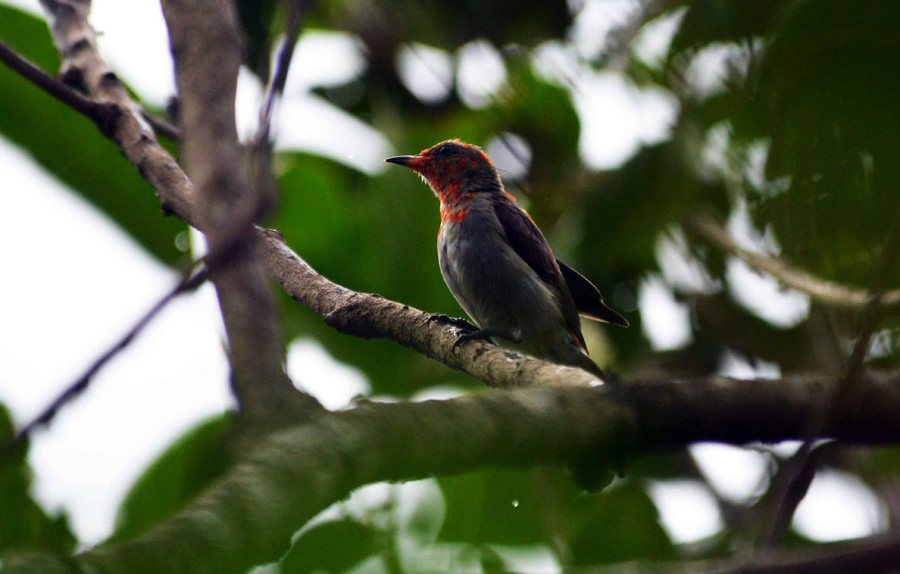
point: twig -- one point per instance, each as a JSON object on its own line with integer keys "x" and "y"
{"x": 283, "y": 64}
{"x": 53, "y": 86}
{"x": 99, "y": 112}
{"x": 261, "y": 148}
{"x": 805, "y": 464}
{"x": 162, "y": 126}
{"x": 799, "y": 472}
{"x": 826, "y": 292}
{"x": 189, "y": 282}
{"x": 228, "y": 252}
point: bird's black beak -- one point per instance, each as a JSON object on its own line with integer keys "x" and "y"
{"x": 413, "y": 162}
{"x": 406, "y": 160}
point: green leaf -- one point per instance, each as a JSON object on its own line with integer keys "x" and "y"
{"x": 509, "y": 507}
{"x": 625, "y": 526}
{"x": 256, "y": 17}
{"x": 23, "y": 523}
{"x": 709, "y": 21}
{"x": 544, "y": 115}
{"x": 331, "y": 547}
{"x": 826, "y": 91}
{"x": 176, "y": 477}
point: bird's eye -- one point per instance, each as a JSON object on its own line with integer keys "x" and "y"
{"x": 444, "y": 151}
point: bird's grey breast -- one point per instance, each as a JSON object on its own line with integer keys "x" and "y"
{"x": 488, "y": 279}
{"x": 461, "y": 251}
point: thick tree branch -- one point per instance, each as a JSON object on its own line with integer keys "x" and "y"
{"x": 876, "y": 555}
{"x": 248, "y": 517}
{"x": 871, "y": 557}
{"x": 228, "y": 207}
{"x": 827, "y": 292}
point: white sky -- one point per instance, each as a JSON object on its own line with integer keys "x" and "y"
{"x": 175, "y": 374}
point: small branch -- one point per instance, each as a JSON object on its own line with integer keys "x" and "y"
{"x": 803, "y": 460}
{"x": 189, "y": 282}
{"x": 826, "y": 292}
{"x": 802, "y": 466}
{"x": 77, "y": 45}
{"x": 162, "y": 127}
{"x": 283, "y": 64}
{"x": 261, "y": 149}
{"x": 51, "y": 85}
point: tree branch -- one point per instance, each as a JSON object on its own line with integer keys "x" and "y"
{"x": 276, "y": 86}
{"x": 51, "y": 85}
{"x": 248, "y": 517}
{"x": 83, "y": 67}
{"x": 871, "y": 557}
{"x": 260, "y": 150}
{"x": 228, "y": 207}
{"x": 876, "y": 555}
{"x": 827, "y": 292}
{"x": 372, "y": 316}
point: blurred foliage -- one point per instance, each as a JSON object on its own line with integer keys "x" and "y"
{"x": 331, "y": 547}
{"x": 801, "y": 128}
{"x": 24, "y": 525}
{"x": 175, "y": 478}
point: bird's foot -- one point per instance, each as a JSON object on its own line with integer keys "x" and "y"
{"x": 457, "y": 322}
{"x": 484, "y": 334}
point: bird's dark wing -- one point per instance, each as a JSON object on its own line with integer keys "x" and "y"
{"x": 529, "y": 243}
{"x": 588, "y": 299}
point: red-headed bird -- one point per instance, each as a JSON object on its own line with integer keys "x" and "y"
{"x": 498, "y": 264}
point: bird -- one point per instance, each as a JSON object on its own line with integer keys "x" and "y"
{"x": 499, "y": 266}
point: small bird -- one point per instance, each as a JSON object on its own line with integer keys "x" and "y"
{"x": 498, "y": 264}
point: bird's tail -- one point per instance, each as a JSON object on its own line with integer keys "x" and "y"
{"x": 586, "y": 363}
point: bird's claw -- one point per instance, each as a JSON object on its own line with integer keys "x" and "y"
{"x": 459, "y": 341}
{"x": 481, "y": 334}
{"x": 462, "y": 339}
{"x": 457, "y": 322}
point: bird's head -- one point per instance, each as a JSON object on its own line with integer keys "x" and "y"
{"x": 452, "y": 168}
